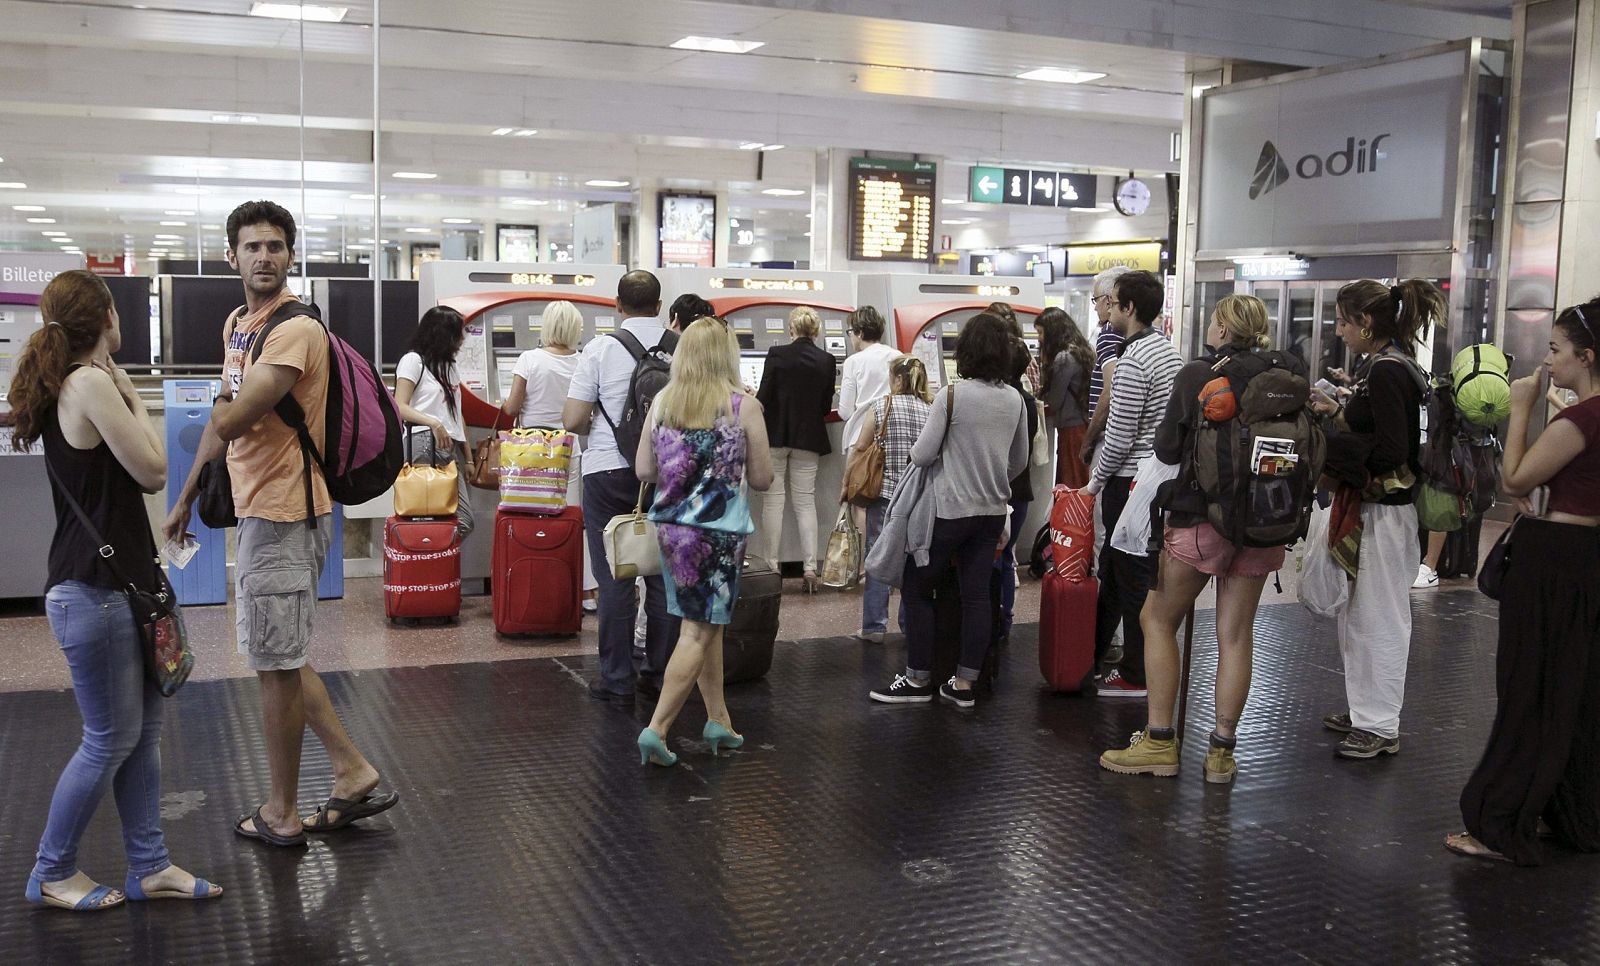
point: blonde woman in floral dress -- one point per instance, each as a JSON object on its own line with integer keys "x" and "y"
{"x": 705, "y": 438}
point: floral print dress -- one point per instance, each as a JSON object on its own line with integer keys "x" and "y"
{"x": 702, "y": 516}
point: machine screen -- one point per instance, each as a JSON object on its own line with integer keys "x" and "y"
{"x": 750, "y": 369}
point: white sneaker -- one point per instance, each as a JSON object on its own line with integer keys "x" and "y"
{"x": 1427, "y": 578}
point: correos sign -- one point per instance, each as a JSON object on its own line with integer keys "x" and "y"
{"x": 1358, "y": 158}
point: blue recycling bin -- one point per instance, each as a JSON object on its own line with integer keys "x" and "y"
{"x": 205, "y": 579}
{"x": 188, "y": 409}
{"x": 330, "y": 585}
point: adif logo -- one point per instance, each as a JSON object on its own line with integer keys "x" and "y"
{"x": 1357, "y": 157}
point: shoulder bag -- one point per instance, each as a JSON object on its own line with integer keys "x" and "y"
{"x": 167, "y": 658}
{"x": 864, "y": 468}
{"x": 426, "y": 489}
{"x": 631, "y": 546}
{"x": 1493, "y": 574}
{"x": 485, "y": 472}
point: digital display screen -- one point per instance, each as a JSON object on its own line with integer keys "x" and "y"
{"x": 891, "y": 210}
{"x": 541, "y": 279}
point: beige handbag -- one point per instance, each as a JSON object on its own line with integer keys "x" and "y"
{"x": 630, "y": 542}
{"x": 841, "y": 566}
{"x": 426, "y": 489}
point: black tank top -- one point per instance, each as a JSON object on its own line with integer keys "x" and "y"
{"x": 112, "y": 501}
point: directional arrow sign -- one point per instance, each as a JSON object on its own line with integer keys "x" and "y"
{"x": 986, "y": 185}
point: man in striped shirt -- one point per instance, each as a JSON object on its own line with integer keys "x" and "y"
{"x": 1107, "y": 346}
{"x": 1139, "y": 393}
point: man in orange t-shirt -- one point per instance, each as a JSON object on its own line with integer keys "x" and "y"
{"x": 282, "y": 542}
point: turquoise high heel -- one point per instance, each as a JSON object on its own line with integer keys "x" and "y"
{"x": 653, "y": 749}
{"x": 716, "y": 735}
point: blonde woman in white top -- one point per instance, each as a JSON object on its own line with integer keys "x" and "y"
{"x": 540, "y": 379}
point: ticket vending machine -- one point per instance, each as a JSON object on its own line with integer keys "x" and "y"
{"x": 925, "y": 314}
{"x": 30, "y": 513}
{"x": 756, "y": 302}
{"x": 502, "y": 303}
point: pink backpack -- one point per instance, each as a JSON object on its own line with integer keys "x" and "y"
{"x": 364, "y": 450}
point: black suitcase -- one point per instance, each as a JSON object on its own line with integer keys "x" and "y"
{"x": 947, "y": 628}
{"x": 1460, "y": 555}
{"x": 748, "y": 639}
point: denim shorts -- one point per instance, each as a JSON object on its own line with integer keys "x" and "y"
{"x": 275, "y": 583}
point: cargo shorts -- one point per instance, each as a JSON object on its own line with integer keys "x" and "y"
{"x": 276, "y": 569}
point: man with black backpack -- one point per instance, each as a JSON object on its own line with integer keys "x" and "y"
{"x": 271, "y": 418}
{"x": 609, "y": 397}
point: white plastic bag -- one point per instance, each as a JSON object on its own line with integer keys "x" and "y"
{"x": 1324, "y": 586}
{"x": 1132, "y": 533}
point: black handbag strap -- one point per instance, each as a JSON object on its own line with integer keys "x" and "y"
{"x": 108, "y": 553}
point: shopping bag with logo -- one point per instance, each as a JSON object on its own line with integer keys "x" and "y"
{"x": 534, "y": 464}
{"x": 842, "y": 564}
{"x": 429, "y": 488}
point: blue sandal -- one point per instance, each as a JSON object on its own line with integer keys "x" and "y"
{"x": 134, "y": 890}
{"x": 93, "y": 902}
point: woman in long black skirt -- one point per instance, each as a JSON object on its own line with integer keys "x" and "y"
{"x": 1543, "y": 756}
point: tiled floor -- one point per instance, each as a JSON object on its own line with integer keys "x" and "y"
{"x": 843, "y": 831}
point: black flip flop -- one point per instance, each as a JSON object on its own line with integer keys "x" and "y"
{"x": 349, "y": 811}
{"x": 262, "y": 832}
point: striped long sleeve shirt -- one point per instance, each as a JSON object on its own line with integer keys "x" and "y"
{"x": 1139, "y": 394}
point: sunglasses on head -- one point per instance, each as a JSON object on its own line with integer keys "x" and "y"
{"x": 1585, "y": 320}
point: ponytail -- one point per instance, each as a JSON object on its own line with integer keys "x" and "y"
{"x": 1399, "y": 313}
{"x": 75, "y": 306}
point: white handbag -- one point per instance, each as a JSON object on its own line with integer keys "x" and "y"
{"x": 630, "y": 542}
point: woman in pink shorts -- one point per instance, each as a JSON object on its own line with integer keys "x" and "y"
{"x": 1195, "y": 553}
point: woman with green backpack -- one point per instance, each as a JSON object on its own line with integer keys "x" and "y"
{"x": 1374, "y": 457}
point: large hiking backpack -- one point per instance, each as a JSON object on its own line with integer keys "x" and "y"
{"x": 1460, "y": 464}
{"x": 652, "y": 369}
{"x": 1257, "y": 466}
{"x": 362, "y": 423}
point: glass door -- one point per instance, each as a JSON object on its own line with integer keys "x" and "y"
{"x": 1299, "y": 318}
{"x": 1329, "y": 347}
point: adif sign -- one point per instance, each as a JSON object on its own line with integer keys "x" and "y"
{"x": 1354, "y": 158}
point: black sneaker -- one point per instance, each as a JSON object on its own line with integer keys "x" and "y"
{"x": 1365, "y": 744}
{"x": 647, "y": 686}
{"x": 960, "y": 698}
{"x": 598, "y": 689}
{"x": 902, "y": 691}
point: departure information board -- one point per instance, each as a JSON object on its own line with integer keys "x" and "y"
{"x": 891, "y": 210}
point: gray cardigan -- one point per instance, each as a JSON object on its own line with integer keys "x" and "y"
{"x": 986, "y": 449}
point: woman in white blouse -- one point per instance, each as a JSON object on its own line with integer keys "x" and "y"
{"x": 865, "y": 376}
{"x": 541, "y": 377}
{"x": 428, "y": 389}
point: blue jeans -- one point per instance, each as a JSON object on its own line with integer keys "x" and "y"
{"x": 605, "y": 495}
{"x": 1006, "y": 563}
{"x": 121, "y": 745}
{"x": 971, "y": 541}
{"x": 875, "y": 599}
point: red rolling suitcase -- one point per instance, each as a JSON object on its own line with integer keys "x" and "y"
{"x": 1066, "y": 630}
{"x": 421, "y": 568}
{"x": 537, "y": 581}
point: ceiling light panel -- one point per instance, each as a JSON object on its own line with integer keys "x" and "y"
{"x": 1061, "y": 75}
{"x": 718, "y": 45}
{"x": 27, "y": 207}
{"x": 299, "y": 11}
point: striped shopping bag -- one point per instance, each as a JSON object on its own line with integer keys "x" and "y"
{"x": 534, "y": 464}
